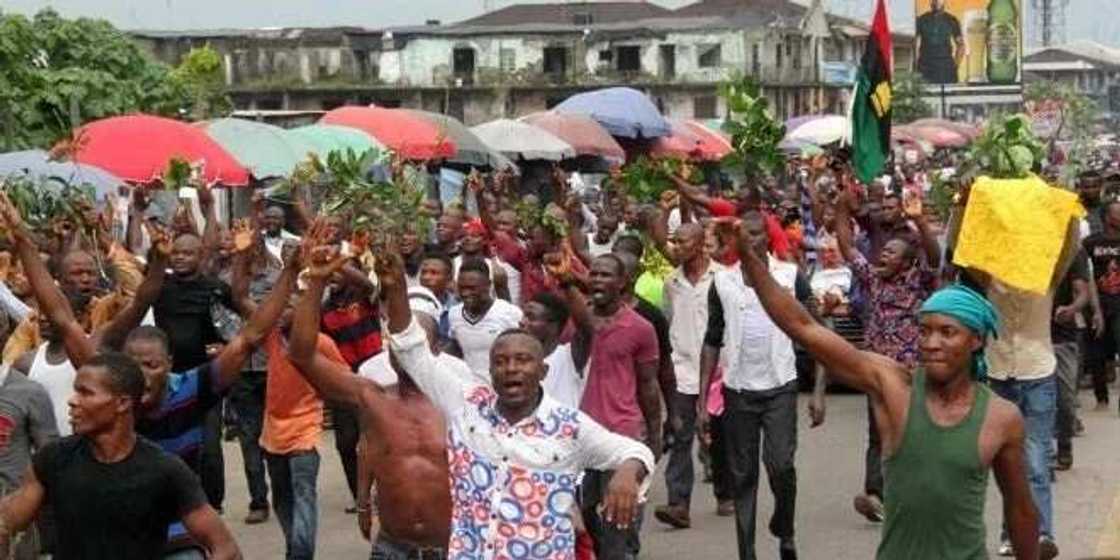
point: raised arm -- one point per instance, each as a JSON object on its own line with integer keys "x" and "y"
{"x": 409, "y": 342}
{"x": 227, "y": 366}
{"x": 331, "y": 379}
{"x": 865, "y": 371}
{"x": 844, "y": 229}
{"x": 114, "y": 333}
{"x": 52, "y": 302}
{"x": 912, "y": 208}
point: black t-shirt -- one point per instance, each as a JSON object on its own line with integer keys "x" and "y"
{"x": 1105, "y": 254}
{"x": 937, "y": 31}
{"x": 183, "y": 312}
{"x": 120, "y": 510}
{"x": 1078, "y": 270}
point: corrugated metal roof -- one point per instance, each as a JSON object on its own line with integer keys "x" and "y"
{"x": 1082, "y": 49}
{"x": 568, "y": 13}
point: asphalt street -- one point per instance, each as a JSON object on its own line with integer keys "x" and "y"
{"x": 830, "y": 472}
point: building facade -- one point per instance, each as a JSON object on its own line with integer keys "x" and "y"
{"x": 527, "y": 58}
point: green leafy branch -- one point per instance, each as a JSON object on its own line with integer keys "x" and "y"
{"x": 755, "y": 134}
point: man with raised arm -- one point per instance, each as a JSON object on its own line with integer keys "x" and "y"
{"x": 403, "y": 434}
{"x": 942, "y": 430}
{"x": 513, "y": 445}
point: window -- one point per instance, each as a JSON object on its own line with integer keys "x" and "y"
{"x": 796, "y": 56}
{"x": 709, "y": 56}
{"x": 778, "y": 56}
{"x": 756, "y": 59}
{"x": 462, "y": 65}
{"x": 606, "y": 56}
{"x": 704, "y": 107}
{"x": 582, "y": 18}
{"x": 668, "y": 61}
{"x": 555, "y": 61}
{"x": 629, "y": 59}
{"x": 507, "y": 60}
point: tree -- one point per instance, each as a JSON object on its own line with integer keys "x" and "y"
{"x": 56, "y": 73}
{"x": 908, "y": 103}
{"x": 1074, "y": 114}
{"x": 201, "y": 74}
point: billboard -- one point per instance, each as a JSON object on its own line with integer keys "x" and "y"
{"x": 968, "y": 42}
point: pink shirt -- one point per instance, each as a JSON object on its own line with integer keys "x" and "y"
{"x": 611, "y": 395}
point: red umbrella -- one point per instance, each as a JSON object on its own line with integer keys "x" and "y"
{"x": 939, "y": 137}
{"x": 588, "y": 137}
{"x": 967, "y": 130}
{"x": 690, "y": 140}
{"x": 138, "y": 148}
{"x": 405, "y": 133}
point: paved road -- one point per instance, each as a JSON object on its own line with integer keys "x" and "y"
{"x": 830, "y": 464}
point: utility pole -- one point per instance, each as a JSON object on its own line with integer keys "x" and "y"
{"x": 1050, "y": 17}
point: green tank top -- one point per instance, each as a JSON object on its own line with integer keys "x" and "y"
{"x": 936, "y": 485}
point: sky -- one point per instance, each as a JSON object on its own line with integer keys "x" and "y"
{"x": 1083, "y": 16}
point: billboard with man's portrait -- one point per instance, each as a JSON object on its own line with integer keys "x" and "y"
{"x": 967, "y": 42}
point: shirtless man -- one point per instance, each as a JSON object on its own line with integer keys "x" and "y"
{"x": 942, "y": 431}
{"x": 403, "y": 436}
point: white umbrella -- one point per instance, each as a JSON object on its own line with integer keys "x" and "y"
{"x": 517, "y": 139}
{"x": 825, "y": 129}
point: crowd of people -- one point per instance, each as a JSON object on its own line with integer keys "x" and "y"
{"x": 505, "y": 385}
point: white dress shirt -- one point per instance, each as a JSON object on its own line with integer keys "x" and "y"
{"x": 686, "y": 308}
{"x": 512, "y": 486}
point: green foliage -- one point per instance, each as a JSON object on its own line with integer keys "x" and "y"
{"x": 1075, "y": 121}
{"x": 755, "y": 134}
{"x": 177, "y": 174}
{"x": 645, "y": 179}
{"x": 202, "y": 75}
{"x": 383, "y": 209}
{"x": 907, "y": 101}
{"x": 1007, "y": 149}
{"x": 42, "y": 202}
{"x": 530, "y": 214}
{"x": 57, "y": 73}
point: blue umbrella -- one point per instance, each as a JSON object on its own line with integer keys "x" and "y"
{"x": 37, "y": 164}
{"x": 624, "y": 112}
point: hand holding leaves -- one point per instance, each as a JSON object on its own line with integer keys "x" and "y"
{"x": 161, "y": 239}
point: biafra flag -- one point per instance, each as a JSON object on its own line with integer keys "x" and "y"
{"x": 871, "y": 103}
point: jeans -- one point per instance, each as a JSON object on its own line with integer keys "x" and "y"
{"x": 346, "y": 433}
{"x": 771, "y": 414}
{"x": 873, "y": 459}
{"x": 295, "y": 500}
{"x": 679, "y": 472}
{"x": 388, "y": 549}
{"x": 1067, "y": 355}
{"x": 213, "y": 468}
{"x": 611, "y": 543}
{"x": 247, "y": 398}
{"x": 1037, "y": 401}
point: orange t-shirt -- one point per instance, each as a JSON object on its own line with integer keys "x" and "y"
{"x": 293, "y": 411}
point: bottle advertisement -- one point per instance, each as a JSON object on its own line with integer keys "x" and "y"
{"x": 968, "y": 42}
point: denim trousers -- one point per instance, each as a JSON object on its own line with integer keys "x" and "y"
{"x": 247, "y": 398}
{"x": 295, "y": 500}
{"x": 1037, "y": 400}
{"x": 679, "y": 471}
{"x": 1068, "y": 359}
{"x": 766, "y": 422}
